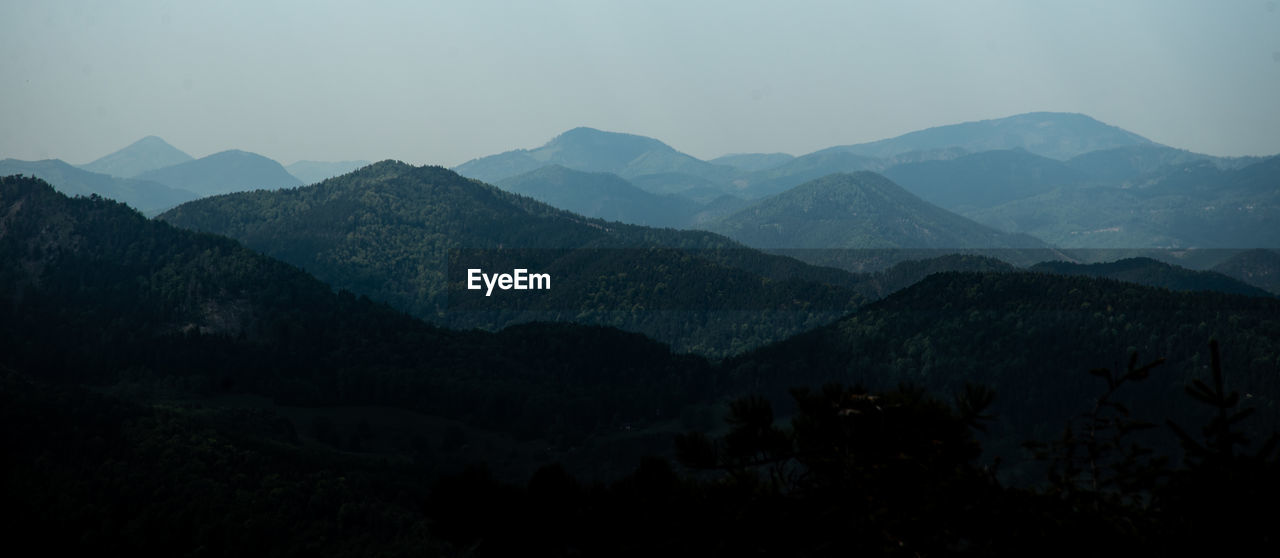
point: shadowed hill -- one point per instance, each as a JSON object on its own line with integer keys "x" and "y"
{"x": 858, "y": 211}
{"x": 227, "y": 171}
{"x": 144, "y": 195}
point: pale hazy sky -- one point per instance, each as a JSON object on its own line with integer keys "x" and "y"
{"x": 443, "y": 82}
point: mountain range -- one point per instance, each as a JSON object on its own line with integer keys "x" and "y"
{"x": 224, "y": 172}
{"x": 389, "y": 230}
{"x": 145, "y": 195}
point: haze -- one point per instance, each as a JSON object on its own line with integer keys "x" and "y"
{"x": 442, "y": 83}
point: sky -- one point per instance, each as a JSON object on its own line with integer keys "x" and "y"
{"x": 444, "y": 82}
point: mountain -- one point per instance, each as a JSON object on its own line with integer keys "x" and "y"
{"x": 601, "y": 195}
{"x": 1146, "y": 271}
{"x": 591, "y": 150}
{"x": 858, "y": 211}
{"x": 311, "y": 172}
{"x": 752, "y": 161}
{"x": 95, "y": 294}
{"x": 1049, "y": 134}
{"x": 1033, "y": 338}
{"x": 1194, "y": 204}
{"x": 984, "y": 179}
{"x": 1260, "y": 268}
{"x": 1120, "y": 164}
{"x": 144, "y": 195}
{"x": 797, "y": 171}
{"x": 224, "y": 172}
{"x": 405, "y": 235}
{"x": 144, "y": 155}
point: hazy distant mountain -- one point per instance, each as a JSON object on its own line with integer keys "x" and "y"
{"x": 601, "y": 195}
{"x": 146, "y": 154}
{"x": 311, "y": 172}
{"x": 1146, "y": 271}
{"x": 591, "y": 150}
{"x": 1119, "y": 164}
{"x": 984, "y": 179}
{"x": 1260, "y": 268}
{"x": 225, "y": 172}
{"x": 1190, "y": 205}
{"x": 1051, "y": 134}
{"x": 753, "y": 161}
{"x": 145, "y": 196}
{"x": 803, "y": 169}
{"x": 859, "y": 210}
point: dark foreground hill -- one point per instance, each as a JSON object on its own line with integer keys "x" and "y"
{"x": 182, "y": 335}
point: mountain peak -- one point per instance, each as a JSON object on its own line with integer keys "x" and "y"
{"x": 147, "y": 154}
{"x": 1057, "y": 135}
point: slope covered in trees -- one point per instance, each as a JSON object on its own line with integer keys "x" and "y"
{"x": 94, "y": 292}
{"x": 388, "y": 231}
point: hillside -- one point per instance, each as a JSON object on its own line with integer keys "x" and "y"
{"x": 1190, "y": 205}
{"x": 146, "y": 154}
{"x": 1260, "y": 268}
{"x": 1146, "y": 271}
{"x": 601, "y": 195}
{"x": 389, "y": 230}
{"x": 144, "y": 195}
{"x": 224, "y": 172}
{"x": 984, "y": 179}
{"x": 858, "y": 211}
{"x": 1032, "y": 338}
{"x": 159, "y": 311}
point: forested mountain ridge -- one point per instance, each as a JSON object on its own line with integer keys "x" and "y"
{"x": 144, "y": 195}
{"x": 94, "y": 292}
{"x": 387, "y": 231}
{"x": 1147, "y": 271}
{"x": 1032, "y": 337}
